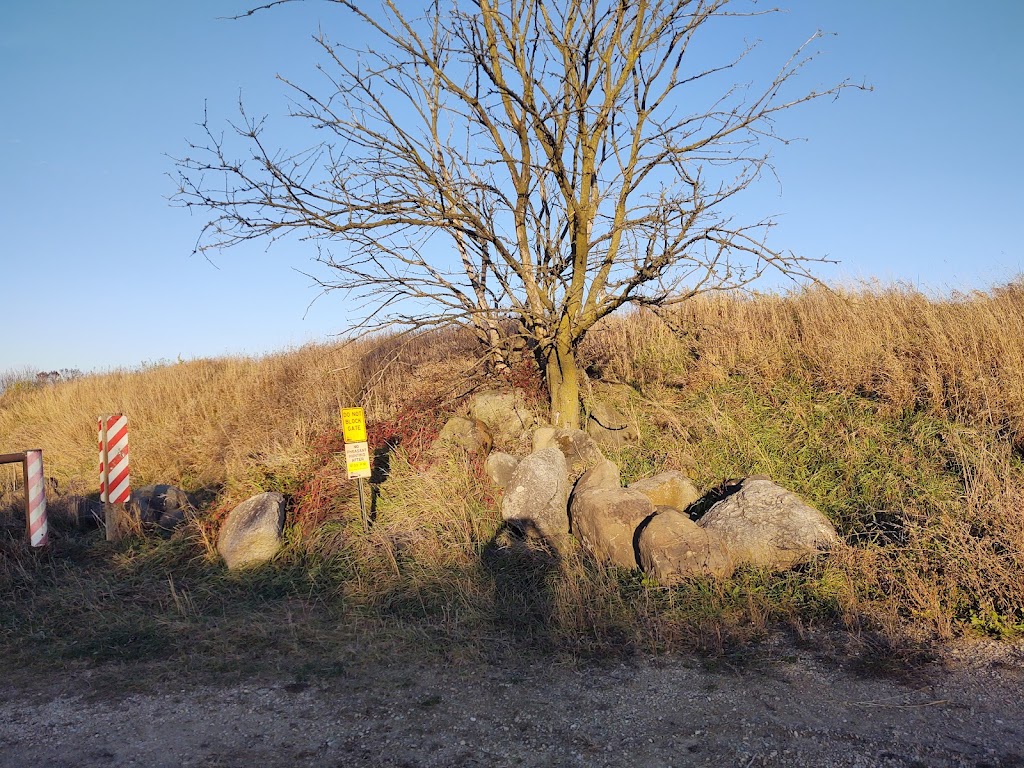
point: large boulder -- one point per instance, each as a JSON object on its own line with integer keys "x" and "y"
{"x": 766, "y": 526}
{"x": 605, "y": 521}
{"x": 500, "y": 467}
{"x": 162, "y": 506}
{"x": 604, "y": 474}
{"x": 504, "y": 411}
{"x": 251, "y": 535}
{"x": 471, "y": 435}
{"x": 609, "y": 428}
{"x": 672, "y": 548}
{"x": 580, "y": 450}
{"x": 668, "y": 489}
{"x": 536, "y": 497}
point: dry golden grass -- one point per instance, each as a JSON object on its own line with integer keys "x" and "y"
{"x": 900, "y": 416}
{"x": 961, "y": 357}
{"x": 210, "y": 423}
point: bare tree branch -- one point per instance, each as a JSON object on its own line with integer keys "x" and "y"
{"x": 549, "y": 161}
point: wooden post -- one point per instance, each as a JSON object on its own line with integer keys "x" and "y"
{"x": 109, "y": 522}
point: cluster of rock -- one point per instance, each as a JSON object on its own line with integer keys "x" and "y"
{"x": 160, "y": 506}
{"x": 565, "y": 491}
{"x": 650, "y": 523}
{"x": 251, "y": 534}
{"x": 156, "y": 509}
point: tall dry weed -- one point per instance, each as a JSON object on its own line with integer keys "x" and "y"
{"x": 899, "y": 415}
{"x": 191, "y": 423}
{"x": 960, "y": 357}
{"x": 242, "y": 422}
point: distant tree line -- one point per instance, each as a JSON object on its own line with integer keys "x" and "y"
{"x": 25, "y": 379}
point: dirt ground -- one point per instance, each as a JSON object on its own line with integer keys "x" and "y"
{"x": 787, "y": 707}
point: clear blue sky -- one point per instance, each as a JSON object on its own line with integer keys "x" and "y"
{"x": 919, "y": 181}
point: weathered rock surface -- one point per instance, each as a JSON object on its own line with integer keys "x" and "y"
{"x": 764, "y": 525}
{"x": 672, "y": 548}
{"x": 163, "y": 506}
{"x": 604, "y": 474}
{"x": 504, "y": 412}
{"x": 605, "y": 521}
{"x": 471, "y": 435}
{"x": 579, "y": 448}
{"x": 609, "y": 428}
{"x": 668, "y": 489}
{"x": 251, "y": 535}
{"x": 500, "y": 468}
{"x": 537, "y": 495}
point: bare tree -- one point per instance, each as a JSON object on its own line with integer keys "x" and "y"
{"x": 544, "y": 160}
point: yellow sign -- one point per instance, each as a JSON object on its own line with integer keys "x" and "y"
{"x": 357, "y": 457}
{"x": 354, "y": 425}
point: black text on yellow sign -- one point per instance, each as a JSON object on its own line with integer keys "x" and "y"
{"x": 357, "y": 459}
{"x": 353, "y": 423}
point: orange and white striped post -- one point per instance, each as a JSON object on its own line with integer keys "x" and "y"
{"x": 115, "y": 479}
{"x": 35, "y": 498}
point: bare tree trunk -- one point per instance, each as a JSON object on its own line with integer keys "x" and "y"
{"x": 576, "y": 154}
{"x": 562, "y": 378}
{"x": 497, "y": 350}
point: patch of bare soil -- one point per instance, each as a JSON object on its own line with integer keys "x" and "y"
{"x": 787, "y": 707}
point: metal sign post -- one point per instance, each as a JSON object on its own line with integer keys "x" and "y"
{"x": 357, "y": 454}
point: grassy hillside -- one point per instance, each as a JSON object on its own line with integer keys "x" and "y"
{"x": 899, "y": 416}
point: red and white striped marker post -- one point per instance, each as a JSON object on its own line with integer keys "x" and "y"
{"x": 35, "y": 493}
{"x": 35, "y": 498}
{"x": 115, "y": 480}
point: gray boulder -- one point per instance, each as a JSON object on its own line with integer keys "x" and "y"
{"x": 605, "y": 521}
{"x": 766, "y": 526}
{"x": 504, "y": 412}
{"x": 608, "y": 427}
{"x": 668, "y": 489}
{"x": 251, "y": 535}
{"x": 536, "y": 497}
{"x": 500, "y": 467}
{"x": 604, "y": 474}
{"x": 672, "y": 548}
{"x": 162, "y": 506}
{"x": 580, "y": 450}
{"x": 471, "y": 435}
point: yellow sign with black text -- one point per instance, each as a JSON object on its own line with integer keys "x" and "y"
{"x": 353, "y": 423}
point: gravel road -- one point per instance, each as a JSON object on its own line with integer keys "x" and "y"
{"x": 787, "y": 709}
